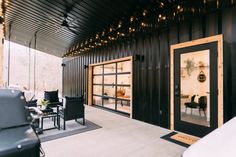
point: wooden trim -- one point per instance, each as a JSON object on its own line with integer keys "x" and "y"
{"x": 131, "y": 87}
{"x": 219, "y": 40}
{"x": 220, "y": 81}
{"x": 90, "y": 85}
{"x": 112, "y": 61}
{"x": 90, "y": 80}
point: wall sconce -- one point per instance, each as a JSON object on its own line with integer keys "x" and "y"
{"x": 85, "y": 66}
{"x": 139, "y": 58}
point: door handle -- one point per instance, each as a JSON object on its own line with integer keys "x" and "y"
{"x": 177, "y": 93}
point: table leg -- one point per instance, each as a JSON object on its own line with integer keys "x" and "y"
{"x": 58, "y": 122}
{"x": 42, "y": 124}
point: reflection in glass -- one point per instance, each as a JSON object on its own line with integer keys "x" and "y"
{"x": 195, "y": 87}
{"x": 97, "y": 79}
{"x": 97, "y": 100}
{"x": 97, "y": 69}
{"x": 97, "y": 89}
{"x": 109, "y": 79}
{"x": 110, "y": 68}
{"x": 109, "y": 103}
{"x": 123, "y": 92}
{"x": 124, "y": 66}
{"x": 109, "y": 91}
{"x": 123, "y": 79}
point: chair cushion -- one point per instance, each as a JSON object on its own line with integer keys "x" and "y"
{"x": 52, "y": 96}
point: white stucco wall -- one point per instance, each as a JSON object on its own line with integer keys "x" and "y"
{"x": 48, "y": 70}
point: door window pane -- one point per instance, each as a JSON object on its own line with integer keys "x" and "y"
{"x": 97, "y": 100}
{"x": 109, "y": 91}
{"x": 123, "y": 92}
{"x": 97, "y": 79}
{"x": 195, "y": 87}
{"x": 109, "y": 68}
{"x": 109, "y": 103}
{"x": 124, "y": 66}
{"x": 109, "y": 79}
{"x": 123, "y": 79}
{"x": 97, "y": 89}
{"x": 123, "y": 106}
{"x": 97, "y": 69}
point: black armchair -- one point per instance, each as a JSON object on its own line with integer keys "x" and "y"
{"x": 202, "y": 102}
{"x": 191, "y": 104}
{"x": 52, "y": 97}
{"x": 73, "y": 108}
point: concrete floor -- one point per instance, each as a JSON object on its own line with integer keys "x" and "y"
{"x": 118, "y": 137}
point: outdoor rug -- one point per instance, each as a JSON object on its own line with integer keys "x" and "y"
{"x": 180, "y": 138}
{"x": 72, "y": 128}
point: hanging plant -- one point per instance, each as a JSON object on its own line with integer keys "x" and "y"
{"x": 189, "y": 66}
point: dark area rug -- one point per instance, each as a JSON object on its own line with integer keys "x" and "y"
{"x": 72, "y": 128}
{"x": 180, "y": 139}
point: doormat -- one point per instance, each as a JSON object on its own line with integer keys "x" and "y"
{"x": 180, "y": 139}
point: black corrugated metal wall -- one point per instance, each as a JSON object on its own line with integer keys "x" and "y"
{"x": 151, "y": 87}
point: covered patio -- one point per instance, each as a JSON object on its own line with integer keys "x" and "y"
{"x": 139, "y": 70}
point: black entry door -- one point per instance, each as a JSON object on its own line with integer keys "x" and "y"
{"x": 195, "y": 89}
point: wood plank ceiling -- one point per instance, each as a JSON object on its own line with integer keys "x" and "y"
{"x": 26, "y": 19}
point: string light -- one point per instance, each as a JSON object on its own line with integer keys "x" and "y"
{"x": 120, "y": 24}
{"x": 113, "y": 32}
{"x": 178, "y": 7}
{"x": 162, "y": 4}
{"x": 111, "y": 29}
{"x": 131, "y": 19}
{"x": 144, "y": 12}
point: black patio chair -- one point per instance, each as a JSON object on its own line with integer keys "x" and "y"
{"x": 73, "y": 108}
{"x": 202, "y": 102}
{"x": 191, "y": 105}
{"x": 52, "y": 97}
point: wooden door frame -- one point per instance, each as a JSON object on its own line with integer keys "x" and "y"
{"x": 90, "y": 80}
{"x": 219, "y": 40}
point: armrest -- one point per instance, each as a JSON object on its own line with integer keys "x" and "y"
{"x": 59, "y": 107}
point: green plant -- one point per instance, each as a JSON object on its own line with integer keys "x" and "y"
{"x": 189, "y": 66}
{"x": 44, "y": 102}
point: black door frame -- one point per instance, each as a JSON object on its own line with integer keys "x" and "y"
{"x": 218, "y": 40}
{"x": 191, "y": 128}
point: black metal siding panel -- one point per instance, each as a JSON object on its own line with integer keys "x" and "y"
{"x": 164, "y": 57}
{"x": 197, "y": 30}
{"x": 229, "y": 31}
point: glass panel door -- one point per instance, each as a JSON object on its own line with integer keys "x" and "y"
{"x": 111, "y": 86}
{"x": 195, "y": 89}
